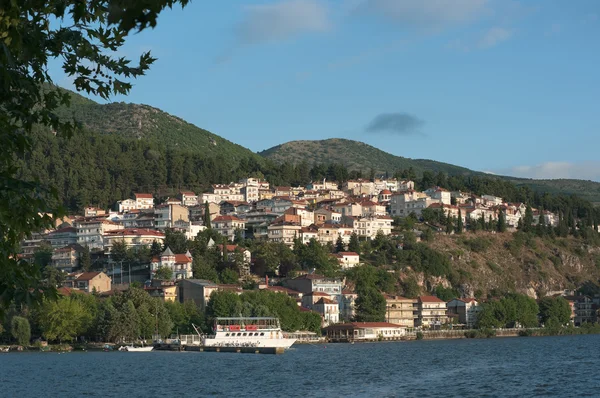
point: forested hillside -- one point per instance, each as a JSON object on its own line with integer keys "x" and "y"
{"x": 362, "y": 157}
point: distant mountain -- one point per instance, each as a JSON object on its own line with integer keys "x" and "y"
{"x": 360, "y": 156}
{"x": 152, "y": 124}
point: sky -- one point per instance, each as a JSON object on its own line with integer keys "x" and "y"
{"x": 503, "y": 86}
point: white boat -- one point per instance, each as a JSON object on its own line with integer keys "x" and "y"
{"x": 247, "y": 332}
{"x": 131, "y": 348}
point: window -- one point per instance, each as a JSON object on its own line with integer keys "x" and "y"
{"x": 245, "y": 334}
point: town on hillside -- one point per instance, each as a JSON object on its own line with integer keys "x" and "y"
{"x": 139, "y": 241}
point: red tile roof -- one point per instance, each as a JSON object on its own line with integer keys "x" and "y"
{"x": 430, "y": 299}
{"x": 348, "y": 253}
{"x": 134, "y": 231}
{"x": 182, "y": 259}
{"x": 226, "y": 218}
{"x": 87, "y": 276}
{"x": 143, "y": 195}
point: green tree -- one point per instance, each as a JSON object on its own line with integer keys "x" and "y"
{"x": 459, "y": 223}
{"x": 164, "y": 273}
{"x": 410, "y": 287}
{"x": 527, "y": 219}
{"x": 43, "y": 255}
{"x": 354, "y": 244}
{"x": 86, "y": 37}
{"x": 223, "y": 303}
{"x": 176, "y": 240}
{"x": 63, "y": 319}
{"x": 202, "y": 269}
{"x": 339, "y": 244}
{"x": 229, "y": 276}
{"x": 206, "y": 216}
{"x": 85, "y": 259}
{"x": 555, "y": 311}
{"x": 370, "y": 304}
{"x": 20, "y": 330}
{"x": 501, "y": 225}
{"x": 53, "y": 276}
{"x": 156, "y": 249}
{"x": 449, "y": 224}
{"x": 118, "y": 251}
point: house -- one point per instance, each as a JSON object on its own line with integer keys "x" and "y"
{"x": 439, "y": 195}
{"x": 384, "y": 196}
{"x": 163, "y": 290}
{"x": 364, "y": 331}
{"x": 346, "y": 301}
{"x": 283, "y": 232}
{"x": 191, "y": 229}
{"x": 284, "y": 290}
{"x": 91, "y": 211}
{"x": 348, "y": 259}
{"x": 189, "y": 198}
{"x": 143, "y": 201}
{"x": 229, "y": 226}
{"x": 67, "y": 258}
{"x": 89, "y": 282}
{"x": 467, "y": 311}
{"x": 585, "y": 309}
{"x": 124, "y": 206}
{"x": 308, "y": 233}
{"x": 132, "y": 237}
{"x": 359, "y": 187}
{"x": 368, "y": 228}
{"x": 308, "y": 300}
{"x": 324, "y": 215}
{"x": 328, "y": 309}
{"x": 257, "y": 222}
{"x": 400, "y": 310}
{"x": 234, "y": 206}
{"x": 180, "y": 264}
{"x": 199, "y": 291}
{"x": 235, "y": 253}
{"x": 91, "y": 232}
{"x": 197, "y": 212}
{"x": 309, "y": 283}
{"x": 62, "y": 237}
{"x": 431, "y": 312}
{"x": 166, "y": 215}
{"x": 404, "y": 203}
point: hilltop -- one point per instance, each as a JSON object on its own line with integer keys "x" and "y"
{"x": 356, "y": 155}
{"x": 144, "y": 122}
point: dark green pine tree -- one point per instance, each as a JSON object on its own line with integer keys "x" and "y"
{"x": 459, "y": 223}
{"x": 339, "y": 244}
{"x": 354, "y": 244}
{"x": 156, "y": 248}
{"x": 501, "y": 225}
{"x": 85, "y": 259}
{"x": 528, "y": 219}
{"x": 449, "y": 225}
{"x": 206, "y": 216}
{"x": 541, "y": 226}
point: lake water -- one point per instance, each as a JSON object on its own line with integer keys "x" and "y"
{"x": 501, "y": 367}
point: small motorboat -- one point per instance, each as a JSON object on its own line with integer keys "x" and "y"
{"x": 130, "y": 348}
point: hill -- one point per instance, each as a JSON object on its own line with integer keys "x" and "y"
{"x": 153, "y": 125}
{"x": 360, "y": 156}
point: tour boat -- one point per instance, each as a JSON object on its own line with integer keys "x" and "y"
{"x": 131, "y": 348}
{"x": 247, "y": 332}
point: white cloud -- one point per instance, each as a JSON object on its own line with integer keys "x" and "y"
{"x": 494, "y": 36}
{"x": 589, "y": 170}
{"x": 428, "y": 14}
{"x": 283, "y": 20}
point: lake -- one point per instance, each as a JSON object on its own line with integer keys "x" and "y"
{"x": 562, "y": 366}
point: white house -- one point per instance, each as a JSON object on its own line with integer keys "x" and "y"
{"x": 229, "y": 225}
{"x": 329, "y": 309}
{"x": 143, "y": 201}
{"x": 180, "y": 264}
{"x": 348, "y": 259}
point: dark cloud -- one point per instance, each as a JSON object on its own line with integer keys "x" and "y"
{"x": 395, "y": 123}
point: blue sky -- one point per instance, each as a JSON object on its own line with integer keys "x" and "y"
{"x": 504, "y": 86}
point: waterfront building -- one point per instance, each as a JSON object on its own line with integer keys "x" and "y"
{"x": 400, "y": 310}
{"x": 431, "y": 312}
{"x": 466, "y": 310}
{"x": 328, "y": 309}
{"x": 364, "y": 331}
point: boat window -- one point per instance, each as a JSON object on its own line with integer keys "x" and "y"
{"x": 239, "y": 334}
{"x": 226, "y": 334}
{"x": 245, "y": 334}
{"x": 262, "y": 334}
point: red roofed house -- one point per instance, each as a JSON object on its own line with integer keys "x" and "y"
{"x": 234, "y": 253}
{"x": 309, "y": 299}
{"x": 180, "y": 264}
{"x": 229, "y": 225}
{"x": 364, "y": 331}
{"x": 143, "y": 201}
{"x": 348, "y": 259}
{"x": 189, "y": 198}
{"x": 89, "y": 282}
{"x": 431, "y": 312}
{"x": 466, "y": 309}
{"x": 329, "y": 310}
{"x": 132, "y": 237}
